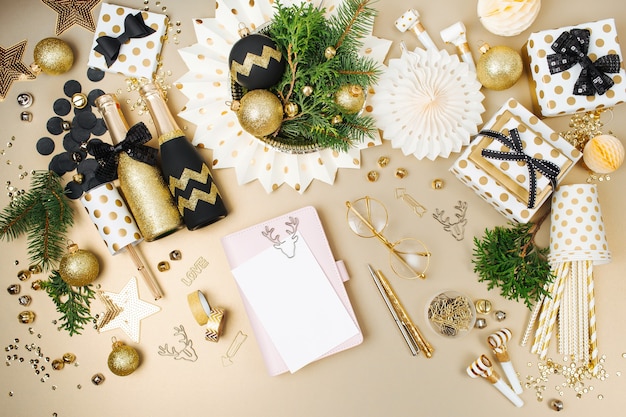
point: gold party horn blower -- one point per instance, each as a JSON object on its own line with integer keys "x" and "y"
{"x": 482, "y": 367}
{"x": 497, "y": 341}
{"x": 117, "y": 227}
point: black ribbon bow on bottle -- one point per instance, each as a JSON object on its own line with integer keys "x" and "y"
{"x": 133, "y": 145}
{"x": 134, "y": 28}
{"x": 571, "y": 49}
{"x": 549, "y": 169}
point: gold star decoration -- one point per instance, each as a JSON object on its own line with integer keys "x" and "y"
{"x": 73, "y": 12}
{"x": 12, "y": 68}
{"x": 125, "y": 310}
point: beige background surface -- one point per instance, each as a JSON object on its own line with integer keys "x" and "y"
{"x": 377, "y": 378}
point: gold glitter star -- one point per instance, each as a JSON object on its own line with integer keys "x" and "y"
{"x": 73, "y": 12}
{"x": 12, "y": 68}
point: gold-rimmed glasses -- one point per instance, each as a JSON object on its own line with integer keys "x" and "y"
{"x": 367, "y": 217}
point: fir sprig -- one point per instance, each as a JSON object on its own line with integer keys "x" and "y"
{"x": 44, "y": 214}
{"x": 303, "y": 33}
{"x": 72, "y": 302}
{"x": 509, "y": 259}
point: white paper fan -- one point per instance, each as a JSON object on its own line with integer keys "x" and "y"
{"x": 428, "y": 103}
{"x": 207, "y": 87}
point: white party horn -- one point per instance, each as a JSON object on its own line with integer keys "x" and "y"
{"x": 482, "y": 367}
{"x": 497, "y": 341}
{"x": 410, "y": 20}
{"x": 456, "y": 35}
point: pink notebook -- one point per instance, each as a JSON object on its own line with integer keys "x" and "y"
{"x": 285, "y": 238}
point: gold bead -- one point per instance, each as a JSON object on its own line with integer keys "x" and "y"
{"x": 330, "y": 52}
{"x": 383, "y": 161}
{"x": 372, "y": 176}
{"x": 336, "y": 119}
{"x": 58, "y": 364}
{"x": 307, "y": 90}
{"x": 163, "y": 266}
{"x": 35, "y": 269}
{"x": 78, "y": 178}
{"x": 437, "y": 184}
{"x": 23, "y": 275}
{"x": 291, "y": 109}
{"x": 69, "y": 357}
{"x": 176, "y": 255}
{"x": 401, "y": 173}
{"x": 26, "y": 317}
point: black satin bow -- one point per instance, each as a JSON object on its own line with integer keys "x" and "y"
{"x": 134, "y": 27}
{"x": 133, "y": 145}
{"x": 571, "y": 49}
{"x": 549, "y": 169}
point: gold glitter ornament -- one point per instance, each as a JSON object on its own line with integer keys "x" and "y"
{"x": 603, "y": 154}
{"x": 78, "y": 267}
{"x": 260, "y": 113}
{"x": 330, "y": 52}
{"x": 498, "y": 68}
{"x": 350, "y": 98}
{"x": 53, "y": 56}
{"x": 123, "y": 360}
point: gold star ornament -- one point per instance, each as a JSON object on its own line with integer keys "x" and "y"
{"x": 73, "y": 12}
{"x": 12, "y": 68}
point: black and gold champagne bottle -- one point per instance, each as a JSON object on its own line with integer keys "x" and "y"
{"x": 186, "y": 173}
{"x": 141, "y": 183}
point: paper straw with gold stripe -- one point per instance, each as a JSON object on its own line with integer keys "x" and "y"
{"x": 593, "y": 337}
{"x": 548, "y": 315}
{"x": 533, "y": 318}
{"x": 584, "y": 310}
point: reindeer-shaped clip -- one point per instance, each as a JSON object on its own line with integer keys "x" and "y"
{"x": 286, "y": 246}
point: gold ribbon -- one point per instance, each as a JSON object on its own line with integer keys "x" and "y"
{"x": 215, "y": 325}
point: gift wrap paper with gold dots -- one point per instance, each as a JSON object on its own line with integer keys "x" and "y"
{"x": 505, "y": 184}
{"x": 138, "y": 57}
{"x": 552, "y": 94}
{"x": 111, "y": 216}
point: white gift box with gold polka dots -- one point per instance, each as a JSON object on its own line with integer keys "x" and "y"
{"x": 138, "y": 57}
{"x": 552, "y": 94}
{"x": 505, "y": 184}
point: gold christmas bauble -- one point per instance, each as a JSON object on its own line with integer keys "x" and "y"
{"x": 78, "y": 267}
{"x": 603, "y": 154}
{"x": 498, "y": 68}
{"x": 260, "y": 113}
{"x": 53, "y": 56}
{"x": 123, "y": 360}
{"x": 350, "y": 98}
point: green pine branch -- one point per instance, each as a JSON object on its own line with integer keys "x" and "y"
{"x": 507, "y": 258}
{"x": 72, "y": 302}
{"x": 44, "y": 214}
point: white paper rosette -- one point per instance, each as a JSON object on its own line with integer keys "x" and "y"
{"x": 207, "y": 86}
{"x": 507, "y": 17}
{"x": 428, "y": 103}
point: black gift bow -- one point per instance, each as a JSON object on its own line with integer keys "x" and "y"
{"x": 571, "y": 49}
{"x": 549, "y": 169}
{"x": 134, "y": 27}
{"x": 133, "y": 145}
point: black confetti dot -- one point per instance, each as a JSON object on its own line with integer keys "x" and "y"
{"x": 54, "y": 125}
{"x": 69, "y": 144}
{"x": 62, "y": 107}
{"x": 79, "y": 134}
{"x": 54, "y": 166}
{"x": 100, "y": 128}
{"x": 95, "y": 74}
{"x": 45, "y": 146}
{"x": 87, "y": 167}
{"x": 71, "y": 87}
{"x": 91, "y": 183}
{"x": 86, "y": 120}
{"x": 93, "y": 95}
{"x": 65, "y": 161}
{"x": 74, "y": 190}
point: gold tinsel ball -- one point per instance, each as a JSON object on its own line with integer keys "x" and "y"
{"x": 350, "y": 98}
{"x": 260, "y": 113}
{"x": 78, "y": 267}
{"x": 603, "y": 154}
{"x": 53, "y": 56}
{"x": 123, "y": 360}
{"x": 498, "y": 68}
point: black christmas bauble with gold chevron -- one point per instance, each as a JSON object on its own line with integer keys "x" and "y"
{"x": 255, "y": 61}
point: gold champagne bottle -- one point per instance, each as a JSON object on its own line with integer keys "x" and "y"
{"x": 188, "y": 177}
{"x": 141, "y": 184}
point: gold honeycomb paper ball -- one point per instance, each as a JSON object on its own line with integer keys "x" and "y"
{"x": 603, "y": 154}
{"x": 499, "y": 67}
{"x": 123, "y": 360}
{"x": 53, "y": 56}
{"x": 260, "y": 113}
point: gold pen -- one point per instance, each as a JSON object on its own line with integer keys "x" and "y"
{"x": 412, "y": 330}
